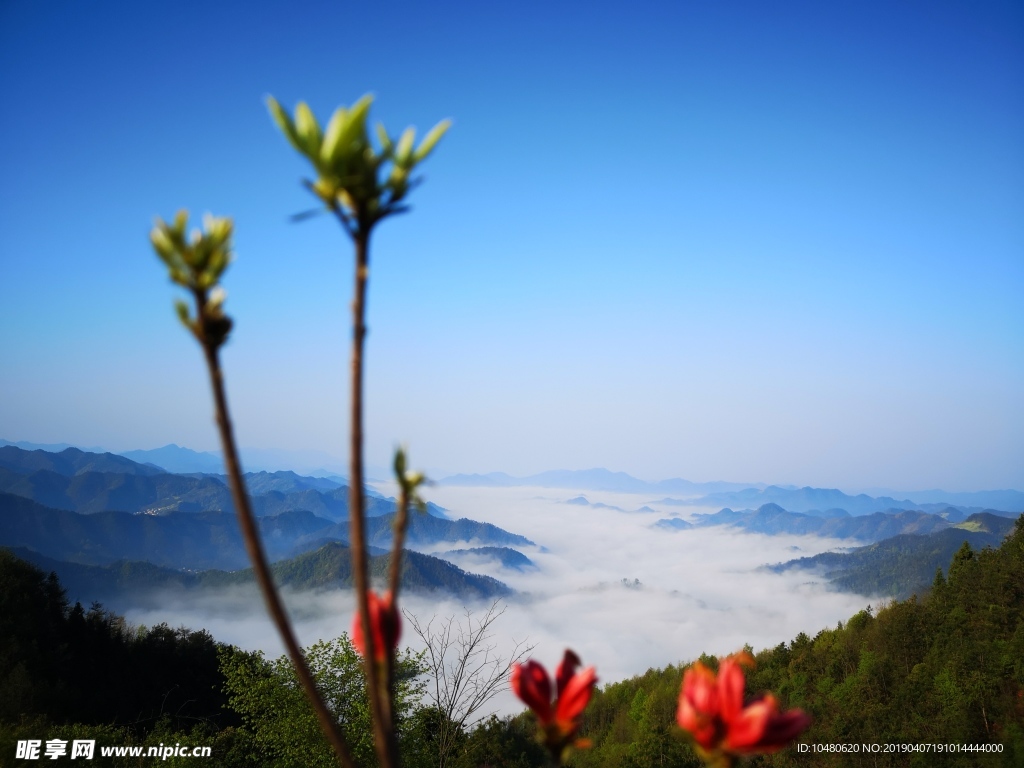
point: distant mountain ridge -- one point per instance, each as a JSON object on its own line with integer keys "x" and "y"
{"x": 749, "y": 495}
{"x": 903, "y": 565}
{"x": 773, "y": 519}
{"x": 426, "y": 530}
{"x": 801, "y": 500}
{"x": 127, "y": 583}
{"x": 88, "y": 483}
{"x": 592, "y": 480}
{"x": 208, "y": 540}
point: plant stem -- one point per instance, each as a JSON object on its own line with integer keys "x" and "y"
{"x": 378, "y": 689}
{"x": 257, "y": 556}
{"x": 398, "y": 543}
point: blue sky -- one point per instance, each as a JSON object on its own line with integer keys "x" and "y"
{"x": 745, "y": 241}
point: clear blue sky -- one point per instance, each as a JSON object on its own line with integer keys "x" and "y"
{"x": 748, "y": 241}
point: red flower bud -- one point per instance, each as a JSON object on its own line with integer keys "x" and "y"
{"x": 711, "y": 708}
{"x": 559, "y": 724}
{"x": 531, "y": 684}
{"x": 385, "y": 625}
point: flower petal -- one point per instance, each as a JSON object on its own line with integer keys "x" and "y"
{"x": 566, "y": 670}
{"x": 731, "y": 684}
{"x": 531, "y": 684}
{"x": 574, "y": 698}
{"x": 700, "y": 689}
{"x": 385, "y": 625}
{"x": 746, "y": 730}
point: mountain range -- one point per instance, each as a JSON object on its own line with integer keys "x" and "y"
{"x": 903, "y": 565}
{"x": 208, "y": 540}
{"x": 593, "y": 480}
{"x": 726, "y": 494}
{"x": 88, "y": 483}
{"x": 132, "y": 583}
{"x": 818, "y": 500}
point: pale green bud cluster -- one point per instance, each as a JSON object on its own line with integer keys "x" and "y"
{"x": 408, "y": 481}
{"x": 196, "y": 262}
{"x": 349, "y": 169}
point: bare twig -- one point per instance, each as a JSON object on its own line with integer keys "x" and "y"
{"x": 467, "y": 670}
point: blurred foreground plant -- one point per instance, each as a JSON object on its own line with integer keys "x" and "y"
{"x": 196, "y": 262}
{"x": 558, "y": 722}
{"x": 724, "y": 726}
{"x": 361, "y": 186}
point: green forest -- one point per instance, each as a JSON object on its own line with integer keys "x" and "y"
{"x": 945, "y": 667}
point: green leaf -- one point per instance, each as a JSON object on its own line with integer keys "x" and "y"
{"x": 355, "y": 123}
{"x": 284, "y": 122}
{"x": 308, "y": 130}
{"x": 403, "y": 154}
{"x": 332, "y": 146}
{"x": 385, "y": 140}
{"x": 431, "y": 139}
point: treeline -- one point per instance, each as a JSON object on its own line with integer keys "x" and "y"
{"x": 947, "y": 668}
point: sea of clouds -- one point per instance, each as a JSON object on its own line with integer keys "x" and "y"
{"x": 685, "y": 592}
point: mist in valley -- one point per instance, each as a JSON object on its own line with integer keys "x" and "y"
{"x": 624, "y": 596}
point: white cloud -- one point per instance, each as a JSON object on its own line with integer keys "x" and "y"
{"x": 699, "y": 590}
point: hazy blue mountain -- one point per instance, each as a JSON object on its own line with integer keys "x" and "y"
{"x": 331, "y": 566}
{"x": 491, "y": 479}
{"x": 583, "y": 502}
{"x": 199, "y": 540}
{"x": 903, "y": 565}
{"x": 286, "y": 481}
{"x": 424, "y": 530}
{"x": 505, "y": 556}
{"x": 70, "y": 462}
{"x": 678, "y": 485}
{"x": 800, "y": 500}
{"x": 593, "y": 480}
{"x": 1008, "y": 500}
{"x": 332, "y": 504}
{"x": 91, "y": 492}
{"x": 51, "y": 447}
{"x": 87, "y": 483}
{"x": 174, "y": 458}
{"x": 672, "y": 524}
{"x": 773, "y": 519}
{"x": 128, "y": 583}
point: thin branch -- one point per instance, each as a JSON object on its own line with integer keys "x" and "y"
{"x": 257, "y": 556}
{"x": 377, "y": 690}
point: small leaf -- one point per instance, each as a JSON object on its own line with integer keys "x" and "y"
{"x": 403, "y": 154}
{"x": 431, "y": 139}
{"x": 385, "y": 140}
{"x": 355, "y": 123}
{"x": 182, "y": 309}
{"x": 331, "y": 147}
{"x": 284, "y": 122}
{"x": 308, "y": 129}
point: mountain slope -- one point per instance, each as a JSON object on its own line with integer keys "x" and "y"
{"x": 773, "y": 519}
{"x": 70, "y": 462}
{"x": 903, "y": 565}
{"x": 127, "y": 583}
{"x": 177, "y": 540}
{"x": 426, "y": 530}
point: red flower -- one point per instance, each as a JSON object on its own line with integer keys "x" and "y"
{"x": 559, "y": 723}
{"x": 385, "y": 625}
{"x": 711, "y": 708}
